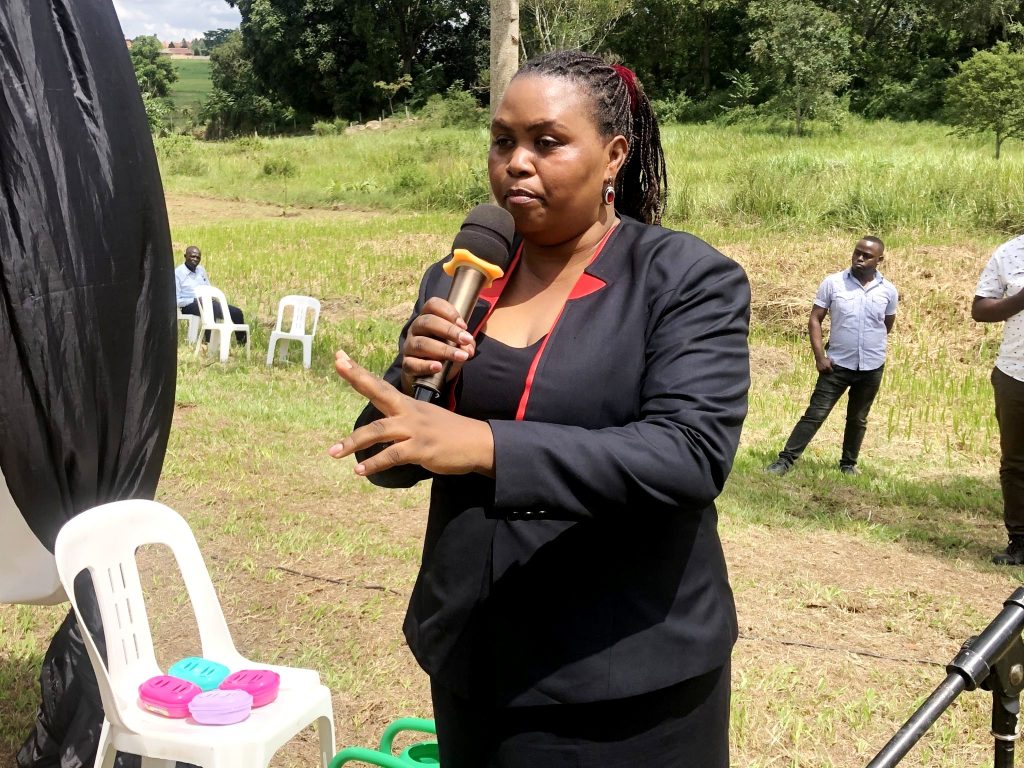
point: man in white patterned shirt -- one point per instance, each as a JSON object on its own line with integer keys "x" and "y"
{"x": 999, "y": 297}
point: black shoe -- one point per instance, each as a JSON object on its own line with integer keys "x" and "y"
{"x": 1014, "y": 554}
{"x": 778, "y": 467}
{"x": 848, "y": 469}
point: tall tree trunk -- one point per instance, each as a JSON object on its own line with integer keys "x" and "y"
{"x": 504, "y": 46}
{"x": 705, "y": 52}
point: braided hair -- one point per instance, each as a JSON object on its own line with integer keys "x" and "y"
{"x": 620, "y": 106}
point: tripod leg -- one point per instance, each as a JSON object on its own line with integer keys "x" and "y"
{"x": 1005, "y": 719}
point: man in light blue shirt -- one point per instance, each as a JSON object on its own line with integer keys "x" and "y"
{"x": 187, "y": 277}
{"x": 861, "y": 305}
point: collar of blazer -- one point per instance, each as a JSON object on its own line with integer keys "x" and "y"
{"x": 588, "y": 282}
{"x": 594, "y": 277}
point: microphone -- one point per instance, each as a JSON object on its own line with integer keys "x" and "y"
{"x": 480, "y": 255}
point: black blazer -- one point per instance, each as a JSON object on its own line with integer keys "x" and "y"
{"x": 590, "y": 568}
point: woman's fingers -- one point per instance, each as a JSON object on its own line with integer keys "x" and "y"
{"x": 423, "y": 348}
{"x": 379, "y": 431}
{"x": 435, "y": 305}
{"x": 384, "y": 397}
{"x": 435, "y": 337}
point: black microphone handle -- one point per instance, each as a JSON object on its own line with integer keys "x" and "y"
{"x": 466, "y": 286}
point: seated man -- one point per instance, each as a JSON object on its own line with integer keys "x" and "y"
{"x": 186, "y": 278}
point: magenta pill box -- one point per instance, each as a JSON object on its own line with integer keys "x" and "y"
{"x": 203, "y": 672}
{"x": 167, "y": 696}
{"x": 261, "y": 684}
{"x": 220, "y": 707}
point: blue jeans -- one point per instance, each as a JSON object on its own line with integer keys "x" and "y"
{"x": 863, "y": 386}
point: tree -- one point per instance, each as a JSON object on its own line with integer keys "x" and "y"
{"x": 215, "y": 37}
{"x": 391, "y": 89}
{"x": 988, "y": 95}
{"x": 902, "y": 51}
{"x": 560, "y": 24}
{"x": 504, "y": 50}
{"x": 153, "y": 70}
{"x": 238, "y": 101}
{"x": 804, "y": 50}
{"x": 323, "y": 56}
{"x": 683, "y": 46}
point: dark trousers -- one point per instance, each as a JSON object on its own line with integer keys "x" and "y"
{"x": 683, "y": 726}
{"x": 863, "y": 386}
{"x": 235, "y": 312}
{"x": 1009, "y": 394}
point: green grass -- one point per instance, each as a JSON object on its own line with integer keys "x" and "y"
{"x": 246, "y": 461}
{"x": 191, "y": 88}
{"x": 873, "y": 176}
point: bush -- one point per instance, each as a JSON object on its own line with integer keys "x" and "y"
{"x": 279, "y": 166}
{"x": 251, "y": 144}
{"x": 324, "y": 128}
{"x": 179, "y": 156}
{"x": 158, "y": 113}
{"x": 917, "y": 99}
{"x": 457, "y": 108}
{"x": 676, "y": 109}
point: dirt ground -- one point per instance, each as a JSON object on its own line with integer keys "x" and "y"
{"x": 841, "y": 633}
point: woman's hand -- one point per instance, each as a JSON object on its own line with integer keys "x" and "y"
{"x": 419, "y": 433}
{"x": 437, "y": 336}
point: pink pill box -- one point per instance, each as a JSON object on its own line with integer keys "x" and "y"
{"x": 167, "y": 696}
{"x": 261, "y": 684}
{"x": 220, "y": 707}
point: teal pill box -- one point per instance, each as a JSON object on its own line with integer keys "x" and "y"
{"x": 202, "y": 672}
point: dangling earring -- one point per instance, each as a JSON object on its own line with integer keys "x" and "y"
{"x": 608, "y": 193}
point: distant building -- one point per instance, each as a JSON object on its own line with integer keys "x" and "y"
{"x": 176, "y": 49}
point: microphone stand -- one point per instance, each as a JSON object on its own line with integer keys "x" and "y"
{"x": 993, "y": 661}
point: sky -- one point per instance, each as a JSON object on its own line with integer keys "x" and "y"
{"x": 174, "y": 19}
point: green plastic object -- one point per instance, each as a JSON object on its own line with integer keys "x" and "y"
{"x": 423, "y": 753}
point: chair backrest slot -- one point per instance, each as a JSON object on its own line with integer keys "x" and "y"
{"x": 302, "y": 307}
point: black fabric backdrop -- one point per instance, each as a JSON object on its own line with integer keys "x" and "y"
{"x": 87, "y": 329}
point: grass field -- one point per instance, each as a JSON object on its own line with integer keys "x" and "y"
{"x": 191, "y": 89}
{"x": 873, "y": 176}
{"x": 852, "y": 592}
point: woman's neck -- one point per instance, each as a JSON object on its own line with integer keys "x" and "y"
{"x": 549, "y": 264}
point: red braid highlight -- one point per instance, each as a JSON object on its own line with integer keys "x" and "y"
{"x": 629, "y": 78}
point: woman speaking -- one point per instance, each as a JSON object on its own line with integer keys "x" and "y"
{"x": 572, "y": 606}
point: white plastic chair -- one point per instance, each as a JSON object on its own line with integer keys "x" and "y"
{"x": 220, "y": 330}
{"x": 103, "y": 541}
{"x": 28, "y": 573}
{"x": 194, "y": 321}
{"x": 301, "y": 307}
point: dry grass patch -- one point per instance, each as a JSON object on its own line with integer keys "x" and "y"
{"x": 314, "y": 566}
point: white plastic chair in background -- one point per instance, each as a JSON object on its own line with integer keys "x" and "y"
{"x": 220, "y": 330}
{"x": 194, "y": 321}
{"x": 302, "y": 307}
{"x": 103, "y": 541}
